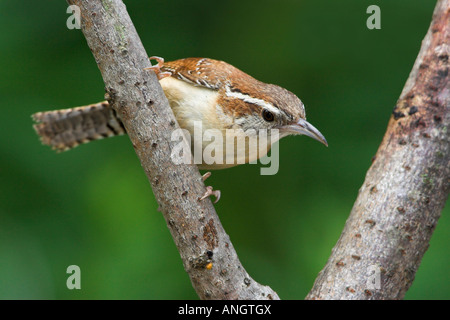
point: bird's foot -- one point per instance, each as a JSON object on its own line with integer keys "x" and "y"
{"x": 157, "y": 68}
{"x": 209, "y": 190}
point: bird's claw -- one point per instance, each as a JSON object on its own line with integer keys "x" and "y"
{"x": 209, "y": 190}
{"x": 157, "y": 68}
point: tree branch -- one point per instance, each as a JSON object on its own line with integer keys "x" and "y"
{"x": 139, "y": 101}
{"x": 405, "y": 189}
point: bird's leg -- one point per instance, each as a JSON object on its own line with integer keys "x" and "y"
{"x": 206, "y": 176}
{"x": 209, "y": 190}
{"x": 157, "y": 68}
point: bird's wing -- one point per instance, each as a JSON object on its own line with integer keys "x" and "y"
{"x": 204, "y": 72}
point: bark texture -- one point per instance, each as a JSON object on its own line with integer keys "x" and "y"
{"x": 207, "y": 253}
{"x": 405, "y": 189}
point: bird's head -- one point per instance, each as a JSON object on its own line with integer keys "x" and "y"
{"x": 273, "y": 107}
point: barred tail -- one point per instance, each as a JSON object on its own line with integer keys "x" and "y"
{"x": 66, "y": 129}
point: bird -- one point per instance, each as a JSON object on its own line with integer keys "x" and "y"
{"x": 201, "y": 91}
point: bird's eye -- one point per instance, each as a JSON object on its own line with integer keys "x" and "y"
{"x": 267, "y": 115}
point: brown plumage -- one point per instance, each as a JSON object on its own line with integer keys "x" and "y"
{"x": 199, "y": 90}
{"x": 219, "y": 75}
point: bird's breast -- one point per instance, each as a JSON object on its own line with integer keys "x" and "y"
{"x": 210, "y": 130}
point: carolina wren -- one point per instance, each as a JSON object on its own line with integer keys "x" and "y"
{"x": 199, "y": 90}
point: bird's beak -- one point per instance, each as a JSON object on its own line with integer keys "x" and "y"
{"x": 303, "y": 127}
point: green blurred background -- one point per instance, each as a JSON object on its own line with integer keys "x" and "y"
{"x": 93, "y": 206}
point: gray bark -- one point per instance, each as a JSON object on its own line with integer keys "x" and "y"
{"x": 405, "y": 189}
{"x": 206, "y": 251}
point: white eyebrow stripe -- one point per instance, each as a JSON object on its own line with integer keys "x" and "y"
{"x": 259, "y": 102}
